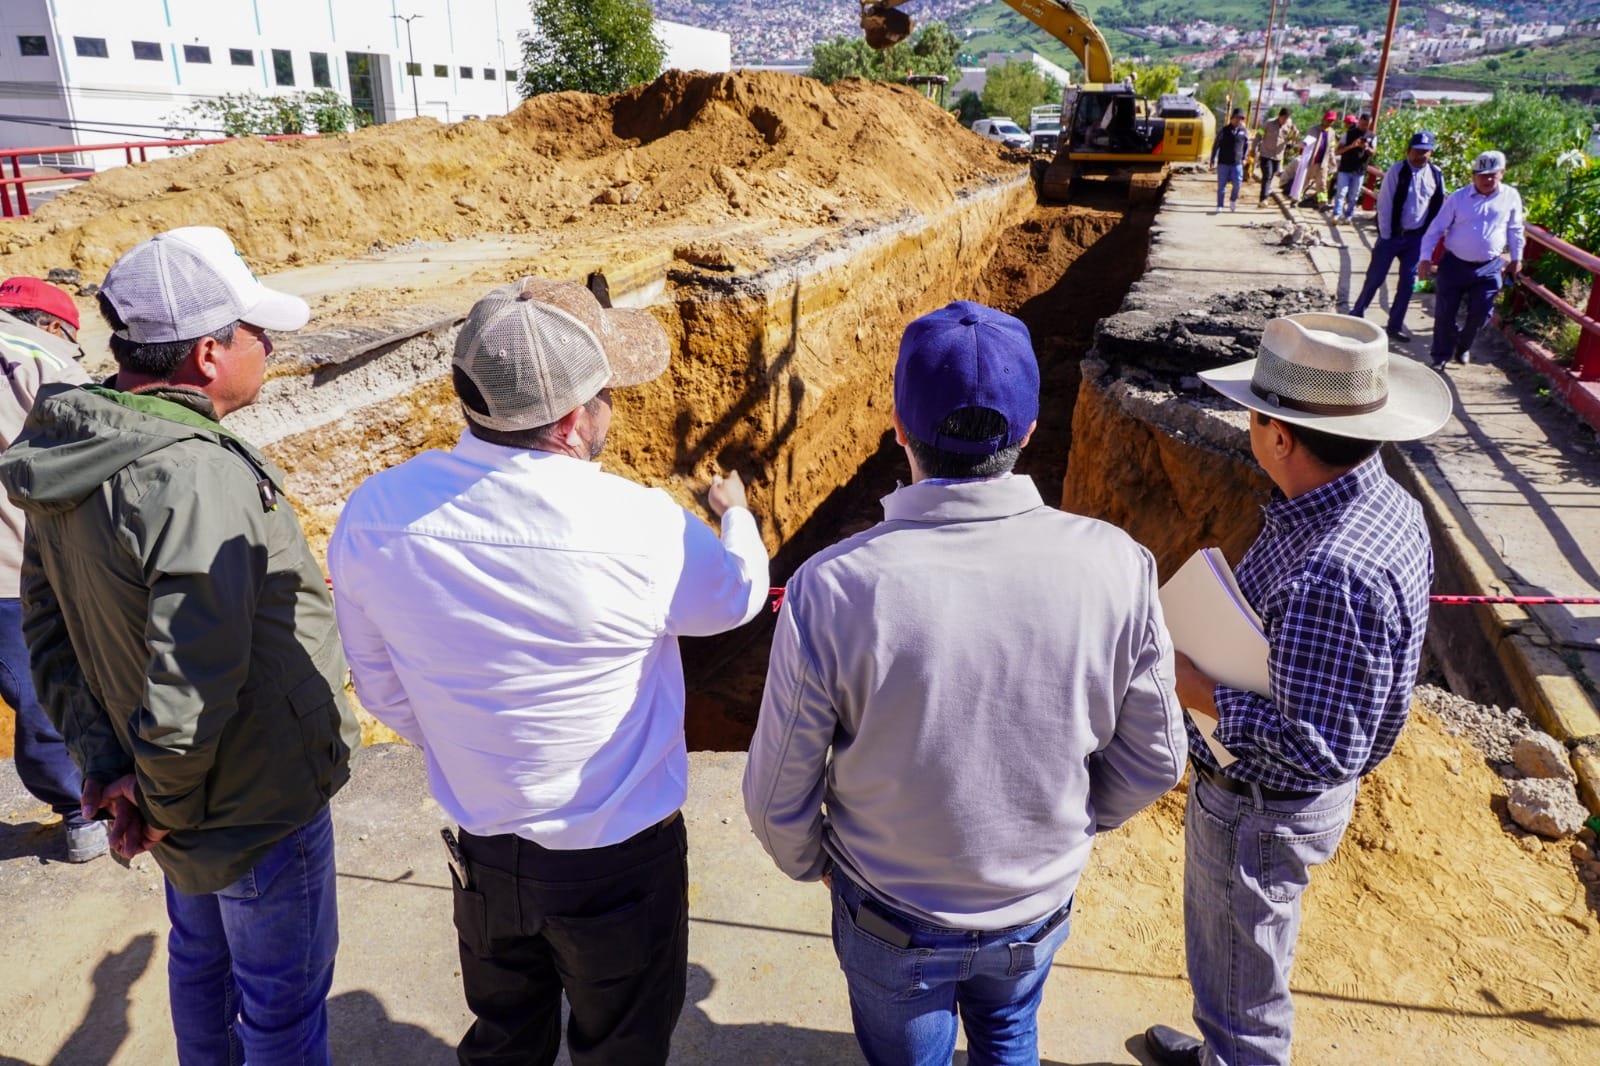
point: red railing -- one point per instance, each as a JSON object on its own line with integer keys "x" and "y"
{"x": 128, "y": 148}
{"x": 1586, "y": 362}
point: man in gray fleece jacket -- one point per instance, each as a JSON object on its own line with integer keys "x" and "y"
{"x": 958, "y": 699}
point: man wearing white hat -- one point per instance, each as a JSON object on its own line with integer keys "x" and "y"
{"x": 514, "y": 611}
{"x": 1339, "y": 577}
{"x": 1481, "y": 225}
{"x": 183, "y": 642}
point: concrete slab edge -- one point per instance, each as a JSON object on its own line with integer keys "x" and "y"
{"x": 1542, "y": 683}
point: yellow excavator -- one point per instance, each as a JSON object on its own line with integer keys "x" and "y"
{"x": 1106, "y": 128}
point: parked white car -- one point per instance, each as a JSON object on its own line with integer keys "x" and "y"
{"x": 1004, "y": 130}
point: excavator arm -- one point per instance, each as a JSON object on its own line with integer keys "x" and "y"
{"x": 884, "y": 26}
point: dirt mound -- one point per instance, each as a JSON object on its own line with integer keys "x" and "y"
{"x": 699, "y": 149}
{"x": 1430, "y": 908}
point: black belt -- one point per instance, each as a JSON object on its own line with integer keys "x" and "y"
{"x": 1247, "y": 788}
{"x": 1468, "y": 262}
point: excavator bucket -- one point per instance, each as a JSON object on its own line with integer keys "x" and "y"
{"x": 884, "y": 26}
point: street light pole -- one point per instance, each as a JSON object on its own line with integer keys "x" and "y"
{"x": 411, "y": 61}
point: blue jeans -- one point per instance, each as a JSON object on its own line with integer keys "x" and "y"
{"x": 903, "y": 1000}
{"x": 1458, "y": 280}
{"x": 1229, "y": 174}
{"x": 1407, "y": 249}
{"x": 1347, "y": 193}
{"x": 43, "y": 764}
{"x": 1246, "y": 862}
{"x": 250, "y": 966}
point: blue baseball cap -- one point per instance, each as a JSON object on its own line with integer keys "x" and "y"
{"x": 961, "y": 356}
{"x": 1422, "y": 139}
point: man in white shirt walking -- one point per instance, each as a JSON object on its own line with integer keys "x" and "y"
{"x": 514, "y": 611}
{"x": 1481, "y": 225}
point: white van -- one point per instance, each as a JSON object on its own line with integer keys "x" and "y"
{"x": 1002, "y": 129}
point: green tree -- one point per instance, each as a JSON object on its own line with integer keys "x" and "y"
{"x": 249, "y": 113}
{"x": 1016, "y": 88}
{"x": 1222, "y": 95}
{"x": 931, "y": 50}
{"x": 846, "y": 57}
{"x": 592, "y": 46}
{"x": 1149, "y": 81}
{"x": 969, "y": 108}
{"x": 1492, "y": 65}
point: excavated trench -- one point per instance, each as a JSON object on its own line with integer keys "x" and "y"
{"x": 1059, "y": 269}
{"x": 783, "y": 374}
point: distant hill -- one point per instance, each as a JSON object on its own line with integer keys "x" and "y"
{"x": 1574, "y": 62}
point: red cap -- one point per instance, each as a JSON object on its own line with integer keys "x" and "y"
{"x": 1331, "y": 116}
{"x": 1349, "y": 120}
{"x": 38, "y": 295}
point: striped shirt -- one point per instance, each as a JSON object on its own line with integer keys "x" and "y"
{"x": 1340, "y": 578}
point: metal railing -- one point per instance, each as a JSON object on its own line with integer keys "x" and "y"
{"x": 1586, "y": 361}
{"x": 14, "y": 157}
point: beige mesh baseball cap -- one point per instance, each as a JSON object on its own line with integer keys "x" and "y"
{"x": 537, "y": 349}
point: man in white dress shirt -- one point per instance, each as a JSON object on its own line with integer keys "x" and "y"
{"x": 514, "y": 611}
{"x": 1481, "y": 225}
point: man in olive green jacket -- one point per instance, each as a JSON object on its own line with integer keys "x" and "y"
{"x": 183, "y": 642}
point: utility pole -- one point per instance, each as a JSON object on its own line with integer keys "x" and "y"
{"x": 1266, "y": 54}
{"x": 1383, "y": 65}
{"x": 411, "y": 61}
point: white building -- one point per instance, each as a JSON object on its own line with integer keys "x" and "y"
{"x": 76, "y": 72}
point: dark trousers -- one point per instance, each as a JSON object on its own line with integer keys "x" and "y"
{"x": 1458, "y": 280}
{"x": 43, "y": 764}
{"x": 1269, "y": 170}
{"x": 1408, "y": 249}
{"x": 608, "y": 926}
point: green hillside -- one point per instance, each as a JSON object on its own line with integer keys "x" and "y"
{"x": 1000, "y": 29}
{"x": 1575, "y": 62}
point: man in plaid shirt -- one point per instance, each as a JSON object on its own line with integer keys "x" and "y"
{"x": 1339, "y": 577}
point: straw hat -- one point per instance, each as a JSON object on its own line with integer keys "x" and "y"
{"x": 1334, "y": 373}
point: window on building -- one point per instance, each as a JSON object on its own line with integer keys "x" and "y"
{"x": 147, "y": 50}
{"x": 441, "y": 71}
{"x": 511, "y": 75}
{"x": 92, "y": 47}
{"x": 33, "y": 46}
{"x": 413, "y": 70}
{"x": 466, "y": 72}
{"x": 196, "y": 53}
{"x": 241, "y": 57}
{"x": 488, "y": 74}
{"x": 321, "y": 75}
{"x": 282, "y": 67}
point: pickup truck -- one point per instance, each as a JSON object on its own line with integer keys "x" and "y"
{"x": 1044, "y": 127}
{"x": 1002, "y": 129}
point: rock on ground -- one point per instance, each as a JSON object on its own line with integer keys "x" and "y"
{"x": 1543, "y": 756}
{"x": 1546, "y": 806}
{"x": 1490, "y": 729}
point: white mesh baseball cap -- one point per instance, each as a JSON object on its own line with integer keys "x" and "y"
{"x": 537, "y": 349}
{"x": 1490, "y": 162}
{"x": 182, "y": 284}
